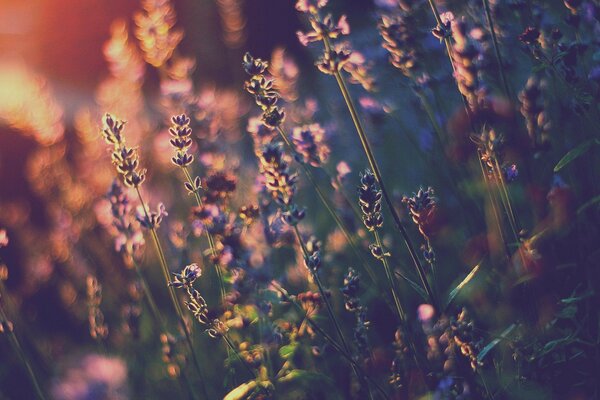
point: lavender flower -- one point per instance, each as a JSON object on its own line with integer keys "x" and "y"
{"x": 124, "y": 158}
{"x": 369, "y": 197}
{"x": 310, "y": 143}
{"x": 422, "y": 206}
{"x": 181, "y": 133}
{"x": 151, "y": 219}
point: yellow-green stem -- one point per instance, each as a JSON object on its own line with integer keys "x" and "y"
{"x": 171, "y": 289}
{"x": 390, "y": 278}
{"x": 327, "y": 302}
{"x": 375, "y": 168}
{"x": 209, "y": 237}
{"x": 330, "y": 209}
{"x": 488, "y": 14}
{"x": 345, "y": 354}
{"x": 21, "y": 353}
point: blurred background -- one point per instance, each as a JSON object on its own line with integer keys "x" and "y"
{"x": 64, "y": 63}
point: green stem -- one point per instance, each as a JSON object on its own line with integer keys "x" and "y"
{"x": 327, "y": 303}
{"x": 329, "y": 207}
{"x": 375, "y": 168}
{"x": 159, "y": 318}
{"x": 172, "y": 294}
{"x": 209, "y": 237}
{"x": 21, "y": 353}
{"x": 488, "y": 14}
{"x": 388, "y": 273}
{"x": 345, "y": 354}
{"x": 494, "y": 205}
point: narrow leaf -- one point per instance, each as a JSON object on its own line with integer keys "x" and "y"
{"x": 495, "y": 342}
{"x": 461, "y": 285}
{"x": 413, "y": 284}
{"x": 573, "y": 154}
{"x": 588, "y": 204}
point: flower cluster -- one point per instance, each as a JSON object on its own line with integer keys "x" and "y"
{"x": 535, "y": 114}
{"x": 155, "y": 30}
{"x": 422, "y": 207}
{"x": 124, "y": 158}
{"x": 195, "y": 302}
{"x": 400, "y": 40}
{"x": 98, "y": 329}
{"x": 181, "y": 140}
{"x": 129, "y": 239}
{"x": 337, "y": 56}
{"x": 459, "y": 338}
{"x": 352, "y": 302}
{"x": 279, "y": 181}
{"x": 310, "y": 143}
{"x": 261, "y": 88}
{"x": 151, "y": 219}
{"x": 369, "y": 198}
{"x": 310, "y": 302}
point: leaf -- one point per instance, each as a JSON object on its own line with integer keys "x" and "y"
{"x": 288, "y": 350}
{"x": 303, "y": 385}
{"x": 573, "y": 154}
{"x": 462, "y": 284}
{"x": 413, "y": 284}
{"x": 241, "y": 392}
{"x": 495, "y": 342}
{"x": 588, "y": 204}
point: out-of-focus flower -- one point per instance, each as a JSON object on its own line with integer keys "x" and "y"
{"x": 27, "y": 104}
{"x": 93, "y": 377}
{"x": 325, "y": 28}
{"x": 310, "y": 143}
{"x": 233, "y": 22}
{"x": 124, "y": 61}
{"x": 151, "y": 219}
{"x": 399, "y": 36}
{"x": 98, "y": 329}
{"x": 310, "y": 6}
{"x": 155, "y": 30}
{"x": 286, "y": 72}
{"x": 3, "y": 238}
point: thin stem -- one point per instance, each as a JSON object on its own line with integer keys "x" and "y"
{"x": 21, "y": 353}
{"x": 488, "y": 14}
{"x": 209, "y": 237}
{"x": 494, "y": 206}
{"x": 329, "y": 207}
{"x": 240, "y": 359}
{"x": 159, "y": 319}
{"x": 327, "y": 303}
{"x": 345, "y": 354}
{"x": 321, "y": 290}
{"x": 375, "y": 168}
{"x": 388, "y": 273}
{"x": 172, "y": 294}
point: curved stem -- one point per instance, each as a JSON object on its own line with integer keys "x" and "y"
{"x": 327, "y": 303}
{"x": 209, "y": 237}
{"x": 24, "y": 359}
{"x": 172, "y": 294}
{"x": 390, "y": 278}
{"x": 375, "y": 168}
{"x": 345, "y": 354}
{"x": 329, "y": 207}
{"x": 488, "y": 14}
